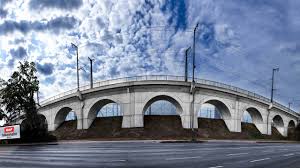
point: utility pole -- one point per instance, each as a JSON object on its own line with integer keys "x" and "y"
{"x": 272, "y": 93}
{"x": 272, "y": 88}
{"x": 194, "y": 50}
{"x": 76, "y": 47}
{"x": 192, "y": 111}
{"x": 186, "y": 64}
{"x": 290, "y": 103}
{"x": 91, "y": 72}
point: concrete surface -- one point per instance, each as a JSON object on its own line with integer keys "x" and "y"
{"x": 216, "y": 154}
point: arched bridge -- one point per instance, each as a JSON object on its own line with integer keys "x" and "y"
{"x": 135, "y": 94}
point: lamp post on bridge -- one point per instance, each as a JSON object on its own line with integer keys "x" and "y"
{"x": 272, "y": 88}
{"x": 77, "y": 68}
{"x": 91, "y": 72}
{"x": 192, "y": 91}
{"x": 272, "y": 94}
{"x": 186, "y": 64}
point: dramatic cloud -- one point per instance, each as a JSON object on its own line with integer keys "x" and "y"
{"x": 3, "y": 13}
{"x": 18, "y": 53}
{"x": 60, "y": 4}
{"x": 46, "y": 69}
{"x": 54, "y": 25}
{"x": 237, "y": 42}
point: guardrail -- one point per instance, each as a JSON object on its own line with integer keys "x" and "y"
{"x": 167, "y": 78}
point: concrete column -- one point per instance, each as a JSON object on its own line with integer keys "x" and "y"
{"x": 80, "y": 118}
{"x": 282, "y": 131}
{"x": 79, "y": 123}
{"x": 234, "y": 123}
{"x": 127, "y": 116}
{"x": 263, "y": 127}
{"x": 133, "y": 116}
{"x": 51, "y": 127}
{"x": 87, "y": 123}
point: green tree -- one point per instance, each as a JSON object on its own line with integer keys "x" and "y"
{"x": 17, "y": 95}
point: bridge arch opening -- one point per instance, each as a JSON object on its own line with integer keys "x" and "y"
{"x": 292, "y": 130}
{"x": 162, "y": 105}
{"x": 214, "y": 112}
{"x": 278, "y": 124}
{"x": 65, "y": 115}
{"x": 162, "y": 116}
{"x": 292, "y": 124}
{"x": 105, "y": 108}
{"x": 252, "y": 116}
{"x": 214, "y": 109}
{"x": 43, "y": 125}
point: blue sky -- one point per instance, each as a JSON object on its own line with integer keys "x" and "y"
{"x": 238, "y": 42}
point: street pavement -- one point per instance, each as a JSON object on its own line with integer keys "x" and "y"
{"x": 152, "y": 154}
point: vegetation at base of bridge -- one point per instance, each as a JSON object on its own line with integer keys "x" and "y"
{"x": 17, "y": 96}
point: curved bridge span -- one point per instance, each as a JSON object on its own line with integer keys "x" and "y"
{"x": 136, "y": 94}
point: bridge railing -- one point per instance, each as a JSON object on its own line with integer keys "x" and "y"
{"x": 167, "y": 78}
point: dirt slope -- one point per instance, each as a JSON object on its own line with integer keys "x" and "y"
{"x": 158, "y": 127}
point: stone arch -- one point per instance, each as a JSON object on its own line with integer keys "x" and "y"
{"x": 291, "y": 124}
{"x": 179, "y": 109}
{"x": 44, "y": 120}
{"x": 95, "y": 106}
{"x": 61, "y": 115}
{"x": 44, "y": 123}
{"x": 255, "y": 114}
{"x": 167, "y": 97}
{"x": 224, "y": 110}
{"x": 278, "y": 123}
{"x": 256, "y": 117}
{"x": 291, "y": 130}
{"x": 220, "y": 105}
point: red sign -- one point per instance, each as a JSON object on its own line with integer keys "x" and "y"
{"x": 9, "y": 129}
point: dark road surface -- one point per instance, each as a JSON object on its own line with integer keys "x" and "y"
{"x": 151, "y": 154}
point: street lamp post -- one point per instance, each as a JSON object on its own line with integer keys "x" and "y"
{"x": 77, "y": 68}
{"x": 194, "y": 50}
{"x": 186, "y": 64}
{"x": 272, "y": 94}
{"x": 193, "y": 87}
{"x": 272, "y": 89}
{"x": 91, "y": 72}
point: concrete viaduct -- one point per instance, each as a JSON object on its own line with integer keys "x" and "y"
{"x": 135, "y": 94}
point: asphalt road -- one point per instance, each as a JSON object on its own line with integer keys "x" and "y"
{"x": 151, "y": 154}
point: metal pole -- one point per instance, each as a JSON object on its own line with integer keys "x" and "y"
{"x": 76, "y": 47}
{"x": 193, "y": 87}
{"x": 194, "y": 66}
{"x": 91, "y": 72}
{"x": 272, "y": 89}
{"x": 186, "y": 64}
{"x": 290, "y": 103}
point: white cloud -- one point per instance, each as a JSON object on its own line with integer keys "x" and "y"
{"x": 243, "y": 41}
